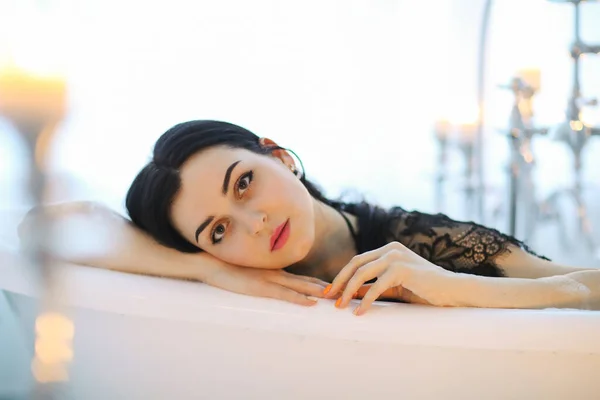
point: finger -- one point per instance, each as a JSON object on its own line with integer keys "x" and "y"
{"x": 391, "y": 293}
{"x": 264, "y": 289}
{"x": 409, "y": 297}
{"x": 363, "y": 274}
{"x": 278, "y": 292}
{"x": 357, "y": 261}
{"x": 363, "y": 290}
{"x": 300, "y": 285}
{"x": 346, "y": 273}
{"x": 308, "y": 279}
{"x": 376, "y": 291}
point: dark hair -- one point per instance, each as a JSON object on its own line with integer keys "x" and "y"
{"x": 152, "y": 192}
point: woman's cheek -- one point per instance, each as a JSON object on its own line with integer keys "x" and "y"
{"x": 303, "y": 244}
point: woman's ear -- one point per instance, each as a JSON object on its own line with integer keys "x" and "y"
{"x": 283, "y": 155}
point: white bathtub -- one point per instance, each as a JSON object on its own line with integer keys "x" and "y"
{"x": 139, "y": 337}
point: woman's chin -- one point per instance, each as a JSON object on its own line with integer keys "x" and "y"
{"x": 293, "y": 252}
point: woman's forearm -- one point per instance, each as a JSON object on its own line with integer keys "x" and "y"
{"x": 131, "y": 250}
{"x": 591, "y": 279}
{"x": 574, "y": 290}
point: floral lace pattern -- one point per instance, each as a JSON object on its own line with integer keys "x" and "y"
{"x": 456, "y": 246}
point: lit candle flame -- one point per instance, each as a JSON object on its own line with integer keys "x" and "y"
{"x": 53, "y": 348}
{"x": 35, "y": 103}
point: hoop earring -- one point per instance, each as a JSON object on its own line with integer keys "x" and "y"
{"x": 296, "y": 172}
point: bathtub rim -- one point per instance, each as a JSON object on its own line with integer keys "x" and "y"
{"x": 573, "y": 331}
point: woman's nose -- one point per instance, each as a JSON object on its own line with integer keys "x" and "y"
{"x": 255, "y": 221}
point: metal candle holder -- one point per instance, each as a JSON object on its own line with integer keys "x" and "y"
{"x": 463, "y": 137}
{"x": 575, "y": 133}
{"x": 521, "y": 131}
{"x": 35, "y": 106}
{"x": 442, "y": 130}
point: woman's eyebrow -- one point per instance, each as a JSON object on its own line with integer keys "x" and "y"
{"x": 228, "y": 176}
{"x": 203, "y": 225}
{"x": 225, "y": 189}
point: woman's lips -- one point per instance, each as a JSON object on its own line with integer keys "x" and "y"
{"x": 280, "y": 236}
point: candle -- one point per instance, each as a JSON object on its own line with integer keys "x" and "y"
{"x": 532, "y": 76}
{"x": 35, "y": 103}
{"x": 53, "y": 347}
{"x": 467, "y": 132}
{"x": 31, "y": 101}
{"x": 442, "y": 129}
{"x": 461, "y": 126}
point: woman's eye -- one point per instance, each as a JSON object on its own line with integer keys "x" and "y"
{"x": 244, "y": 183}
{"x": 218, "y": 233}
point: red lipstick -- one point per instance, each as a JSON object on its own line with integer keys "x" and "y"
{"x": 280, "y": 236}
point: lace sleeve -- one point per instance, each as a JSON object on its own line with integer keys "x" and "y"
{"x": 456, "y": 246}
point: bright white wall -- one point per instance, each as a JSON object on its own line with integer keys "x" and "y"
{"x": 352, "y": 86}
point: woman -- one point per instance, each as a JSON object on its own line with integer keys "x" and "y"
{"x": 219, "y": 197}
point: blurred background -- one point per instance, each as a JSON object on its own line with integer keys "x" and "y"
{"x": 358, "y": 89}
{"x": 354, "y": 87}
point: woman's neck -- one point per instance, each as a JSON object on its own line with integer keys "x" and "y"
{"x": 334, "y": 245}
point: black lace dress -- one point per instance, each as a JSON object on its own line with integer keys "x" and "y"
{"x": 464, "y": 247}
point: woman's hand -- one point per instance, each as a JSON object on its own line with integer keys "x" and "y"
{"x": 276, "y": 284}
{"x": 394, "y": 293}
{"x": 400, "y": 274}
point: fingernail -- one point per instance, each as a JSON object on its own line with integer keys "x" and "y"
{"x": 356, "y": 311}
{"x": 327, "y": 289}
{"x": 338, "y": 302}
{"x": 313, "y": 298}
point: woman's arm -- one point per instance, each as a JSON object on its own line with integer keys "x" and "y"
{"x": 398, "y": 269}
{"x": 579, "y": 289}
{"x": 533, "y": 282}
{"x": 133, "y": 251}
{"x": 518, "y": 263}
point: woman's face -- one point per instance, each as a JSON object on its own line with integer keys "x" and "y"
{"x": 233, "y": 203}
